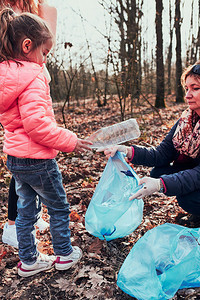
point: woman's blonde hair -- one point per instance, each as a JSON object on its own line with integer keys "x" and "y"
{"x": 189, "y": 71}
{"x": 22, "y": 5}
{"x": 15, "y": 28}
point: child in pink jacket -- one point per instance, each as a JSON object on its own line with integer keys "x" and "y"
{"x": 33, "y": 139}
{"x": 49, "y": 14}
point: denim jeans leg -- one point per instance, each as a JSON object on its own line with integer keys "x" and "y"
{"x": 28, "y": 212}
{"x": 54, "y": 197}
{"x": 42, "y": 177}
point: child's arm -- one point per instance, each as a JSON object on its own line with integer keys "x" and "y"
{"x": 35, "y": 107}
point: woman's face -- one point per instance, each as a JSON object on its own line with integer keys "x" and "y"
{"x": 192, "y": 87}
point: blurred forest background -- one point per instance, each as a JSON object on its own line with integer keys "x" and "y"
{"x": 132, "y": 68}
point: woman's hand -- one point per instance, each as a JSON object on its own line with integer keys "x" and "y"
{"x": 110, "y": 151}
{"x": 82, "y": 145}
{"x": 150, "y": 186}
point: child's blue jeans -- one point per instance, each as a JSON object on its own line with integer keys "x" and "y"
{"x": 40, "y": 180}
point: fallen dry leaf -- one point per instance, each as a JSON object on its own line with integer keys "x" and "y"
{"x": 96, "y": 246}
{"x": 74, "y": 216}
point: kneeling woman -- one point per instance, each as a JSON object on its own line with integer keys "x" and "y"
{"x": 176, "y": 160}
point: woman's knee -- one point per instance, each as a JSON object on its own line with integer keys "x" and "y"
{"x": 190, "y": 203}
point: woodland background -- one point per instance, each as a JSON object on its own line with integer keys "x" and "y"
{"x": 85, "y": 99}
{"x": 130, "y": 65}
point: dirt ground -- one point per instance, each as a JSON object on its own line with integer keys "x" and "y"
{"x": 95, "y": 276}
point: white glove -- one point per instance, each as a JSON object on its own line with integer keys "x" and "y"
{"x": 110, "y": 151}
{"x": 150, "y": 186}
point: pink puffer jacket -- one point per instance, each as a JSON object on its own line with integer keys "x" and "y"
{"x": 27, "y": 116}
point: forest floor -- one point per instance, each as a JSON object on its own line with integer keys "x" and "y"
{"x": 94, "y": 277}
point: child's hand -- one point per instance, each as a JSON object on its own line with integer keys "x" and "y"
{"x": 82, "y": 145}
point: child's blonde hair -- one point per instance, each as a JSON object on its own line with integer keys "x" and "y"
{"x": 15, "y": 28}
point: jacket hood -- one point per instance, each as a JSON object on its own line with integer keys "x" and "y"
{"x": 14, "y": 78}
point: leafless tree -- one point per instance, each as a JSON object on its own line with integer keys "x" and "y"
{"x": 159, "y": 57}
{"x": 179, "y": 90}
{"x": 169, "y": 56}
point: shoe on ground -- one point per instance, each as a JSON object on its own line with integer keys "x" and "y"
{"x": 41, "y": 225}
{"x": 66, "y": 262}
{"x": 9, "y": 235}
{"x": 43, "y": 263}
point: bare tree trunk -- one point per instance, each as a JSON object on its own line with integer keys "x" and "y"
{"x": 151, "y": 71}
{"x": 68, "y": 86}
{"x": 169, "y": 56}
{"x": 106, "y": 81}
{"x": 179, "y": 90}
{"x": 198, "y": 38}
{"x": 107, "y": 63}
{"x": 133, "y": 39}
{"x": 122, "y": 51}
{"x": 118, "y": 88}
{"x": 159, "y": 57}
{"x": 192, "y": 49}
{"x": 128, "y": 20}
{"x": 131, "y": 43}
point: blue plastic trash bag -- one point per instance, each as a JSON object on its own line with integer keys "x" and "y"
{"x": 165, "y": 259}
{"x": 111, "y": 214}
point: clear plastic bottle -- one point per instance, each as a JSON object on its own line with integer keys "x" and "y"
{"x": 115, "y": 134}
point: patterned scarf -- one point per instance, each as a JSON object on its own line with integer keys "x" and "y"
{"x": 186, "y": 138}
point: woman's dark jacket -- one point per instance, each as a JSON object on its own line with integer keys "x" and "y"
{"x": 184, "y": 181}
